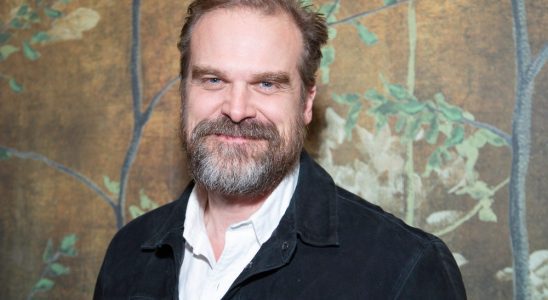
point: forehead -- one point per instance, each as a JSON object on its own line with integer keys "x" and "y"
{"x": 239, "y": 38}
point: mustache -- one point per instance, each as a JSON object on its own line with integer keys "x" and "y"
{"x": 249, "y": 129}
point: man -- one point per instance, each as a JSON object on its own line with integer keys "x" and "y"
{"x": 262, "y": 220}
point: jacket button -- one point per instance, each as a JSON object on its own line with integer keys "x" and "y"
{"x": 285, "y": 245}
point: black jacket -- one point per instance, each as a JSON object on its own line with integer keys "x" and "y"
{"x": 330, "y": 244}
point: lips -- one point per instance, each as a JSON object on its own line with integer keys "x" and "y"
{"x": 224, "y": 128}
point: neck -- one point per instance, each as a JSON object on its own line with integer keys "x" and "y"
{"x": 221, "y": 211}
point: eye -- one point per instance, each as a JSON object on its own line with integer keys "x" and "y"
{"x": 266, "y": 84}
{"x": 212, "y": 83}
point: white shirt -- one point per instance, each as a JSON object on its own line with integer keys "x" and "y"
{"x": 201, "y": 276}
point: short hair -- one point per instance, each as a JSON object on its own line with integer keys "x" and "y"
{"x": 311, "y": 24}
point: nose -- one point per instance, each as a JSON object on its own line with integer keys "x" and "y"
{"x": 238, "y": 104}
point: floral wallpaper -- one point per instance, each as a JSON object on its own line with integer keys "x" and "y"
{"x": 434, "y": 110}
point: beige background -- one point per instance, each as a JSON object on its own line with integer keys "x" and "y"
{"x": 75, "y": 109}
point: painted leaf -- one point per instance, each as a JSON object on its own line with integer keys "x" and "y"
{"x": 413, "y": 128}
{"x": 456, "y": 137}
{"x": 112, "y": 186}
{"x": 16, "y": 24}
{"x": 15, "y": 86}
{"x": 397, "y": 91}
{"x": 72, "y": 26}
{"x": 368, "y": 37}
{"x": 538, "y": 259}
{"x": 4, "y": 37}
{"x": 52, "y": 13}
{"x": 331, "y": 33}
{"x": 352, "y": 119}
{"x": 34, "y": 17}
{"x": 433, "y": 132}
{"x": 373, "y": 95}
{"x": 67, "y": 245}
{"x": 459, "y": 259}
{"x": 58, "y": 269}
{"x": 412, "y": 107}
{"x": 29, "y": 52}
{"x": 451, "y": 112}
{"x": 48, "y": 254}
{"x": 325, "y": 74}
{"x": 492, "y": 138}
{"x": 477, "y": 190}
{"x": 390, "y": 2}
{"x": 23, "y": 9}
{"x": 328, "y": 57}
{"x": 4, "y": 154}
{"x": 381, "y": 121}
{"x": 387, "y": 108}
{"x": 486, "y": 214}
{"x": 346, "y": 98}
{"x": 443, "y": 217}
{"x": 39, "y": 37}
{"x": 44, "y": 284}
{"x": 434, "y": 163}
{"x": 135, "y": 211}
{"x": 146, "y": 202}
{"x": 6, "y": 51}
{"x": 400, "y": 125}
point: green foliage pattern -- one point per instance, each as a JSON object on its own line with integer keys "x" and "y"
{"x": 52, "y": 266}
{"x": 22, "y": 34}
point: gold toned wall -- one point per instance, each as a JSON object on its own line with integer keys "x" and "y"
{"x": 415, "y": 110}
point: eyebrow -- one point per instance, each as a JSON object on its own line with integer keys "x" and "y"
{"x": 277, "y": 77}
{"x": 198, "y": 72}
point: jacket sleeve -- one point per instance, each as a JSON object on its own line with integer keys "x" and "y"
{"x": 434, "y": 274}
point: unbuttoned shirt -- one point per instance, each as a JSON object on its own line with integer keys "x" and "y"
{"x": 201, "y": 276}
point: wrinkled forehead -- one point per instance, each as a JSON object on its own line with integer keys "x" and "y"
{"x": 246, "y": 37}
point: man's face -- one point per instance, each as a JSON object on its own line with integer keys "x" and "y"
{"x": 244, "y": 115}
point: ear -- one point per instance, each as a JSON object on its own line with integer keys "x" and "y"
{"x": 308, "y": 103}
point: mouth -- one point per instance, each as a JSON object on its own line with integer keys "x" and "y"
{"x": 238, "y": 139}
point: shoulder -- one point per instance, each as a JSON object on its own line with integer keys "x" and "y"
{"x": 372, "y": 219}
{"x": 422, "y": 263}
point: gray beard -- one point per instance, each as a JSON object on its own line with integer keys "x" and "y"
{"x": 250, "y": 170}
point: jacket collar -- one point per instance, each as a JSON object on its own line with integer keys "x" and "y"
{"x": 315, "y": 201}
{"x": 313, "y": 204}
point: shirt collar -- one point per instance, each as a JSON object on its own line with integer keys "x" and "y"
{"x": 264, "y": 220}
{"x": 267, "y": 218}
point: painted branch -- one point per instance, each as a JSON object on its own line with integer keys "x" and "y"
{"x": 157, "y": 98}
{"x": 135, "y": 61}
{"x": 365, "y": 13}
{"x": 537, "y": 64}
{"x": 462, "y": 220}
{"x": 63, "y": 169}
{"x": 409, "y": 167}
{"x": 471, "y": 213}
{"x": 131, "y": 153}
{"x": 503, "y": 135}
{"x": 330, "y": 12}
{"x": 521, "y": 145}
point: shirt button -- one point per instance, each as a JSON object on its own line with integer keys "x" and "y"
{"x": 285, "y": 245}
